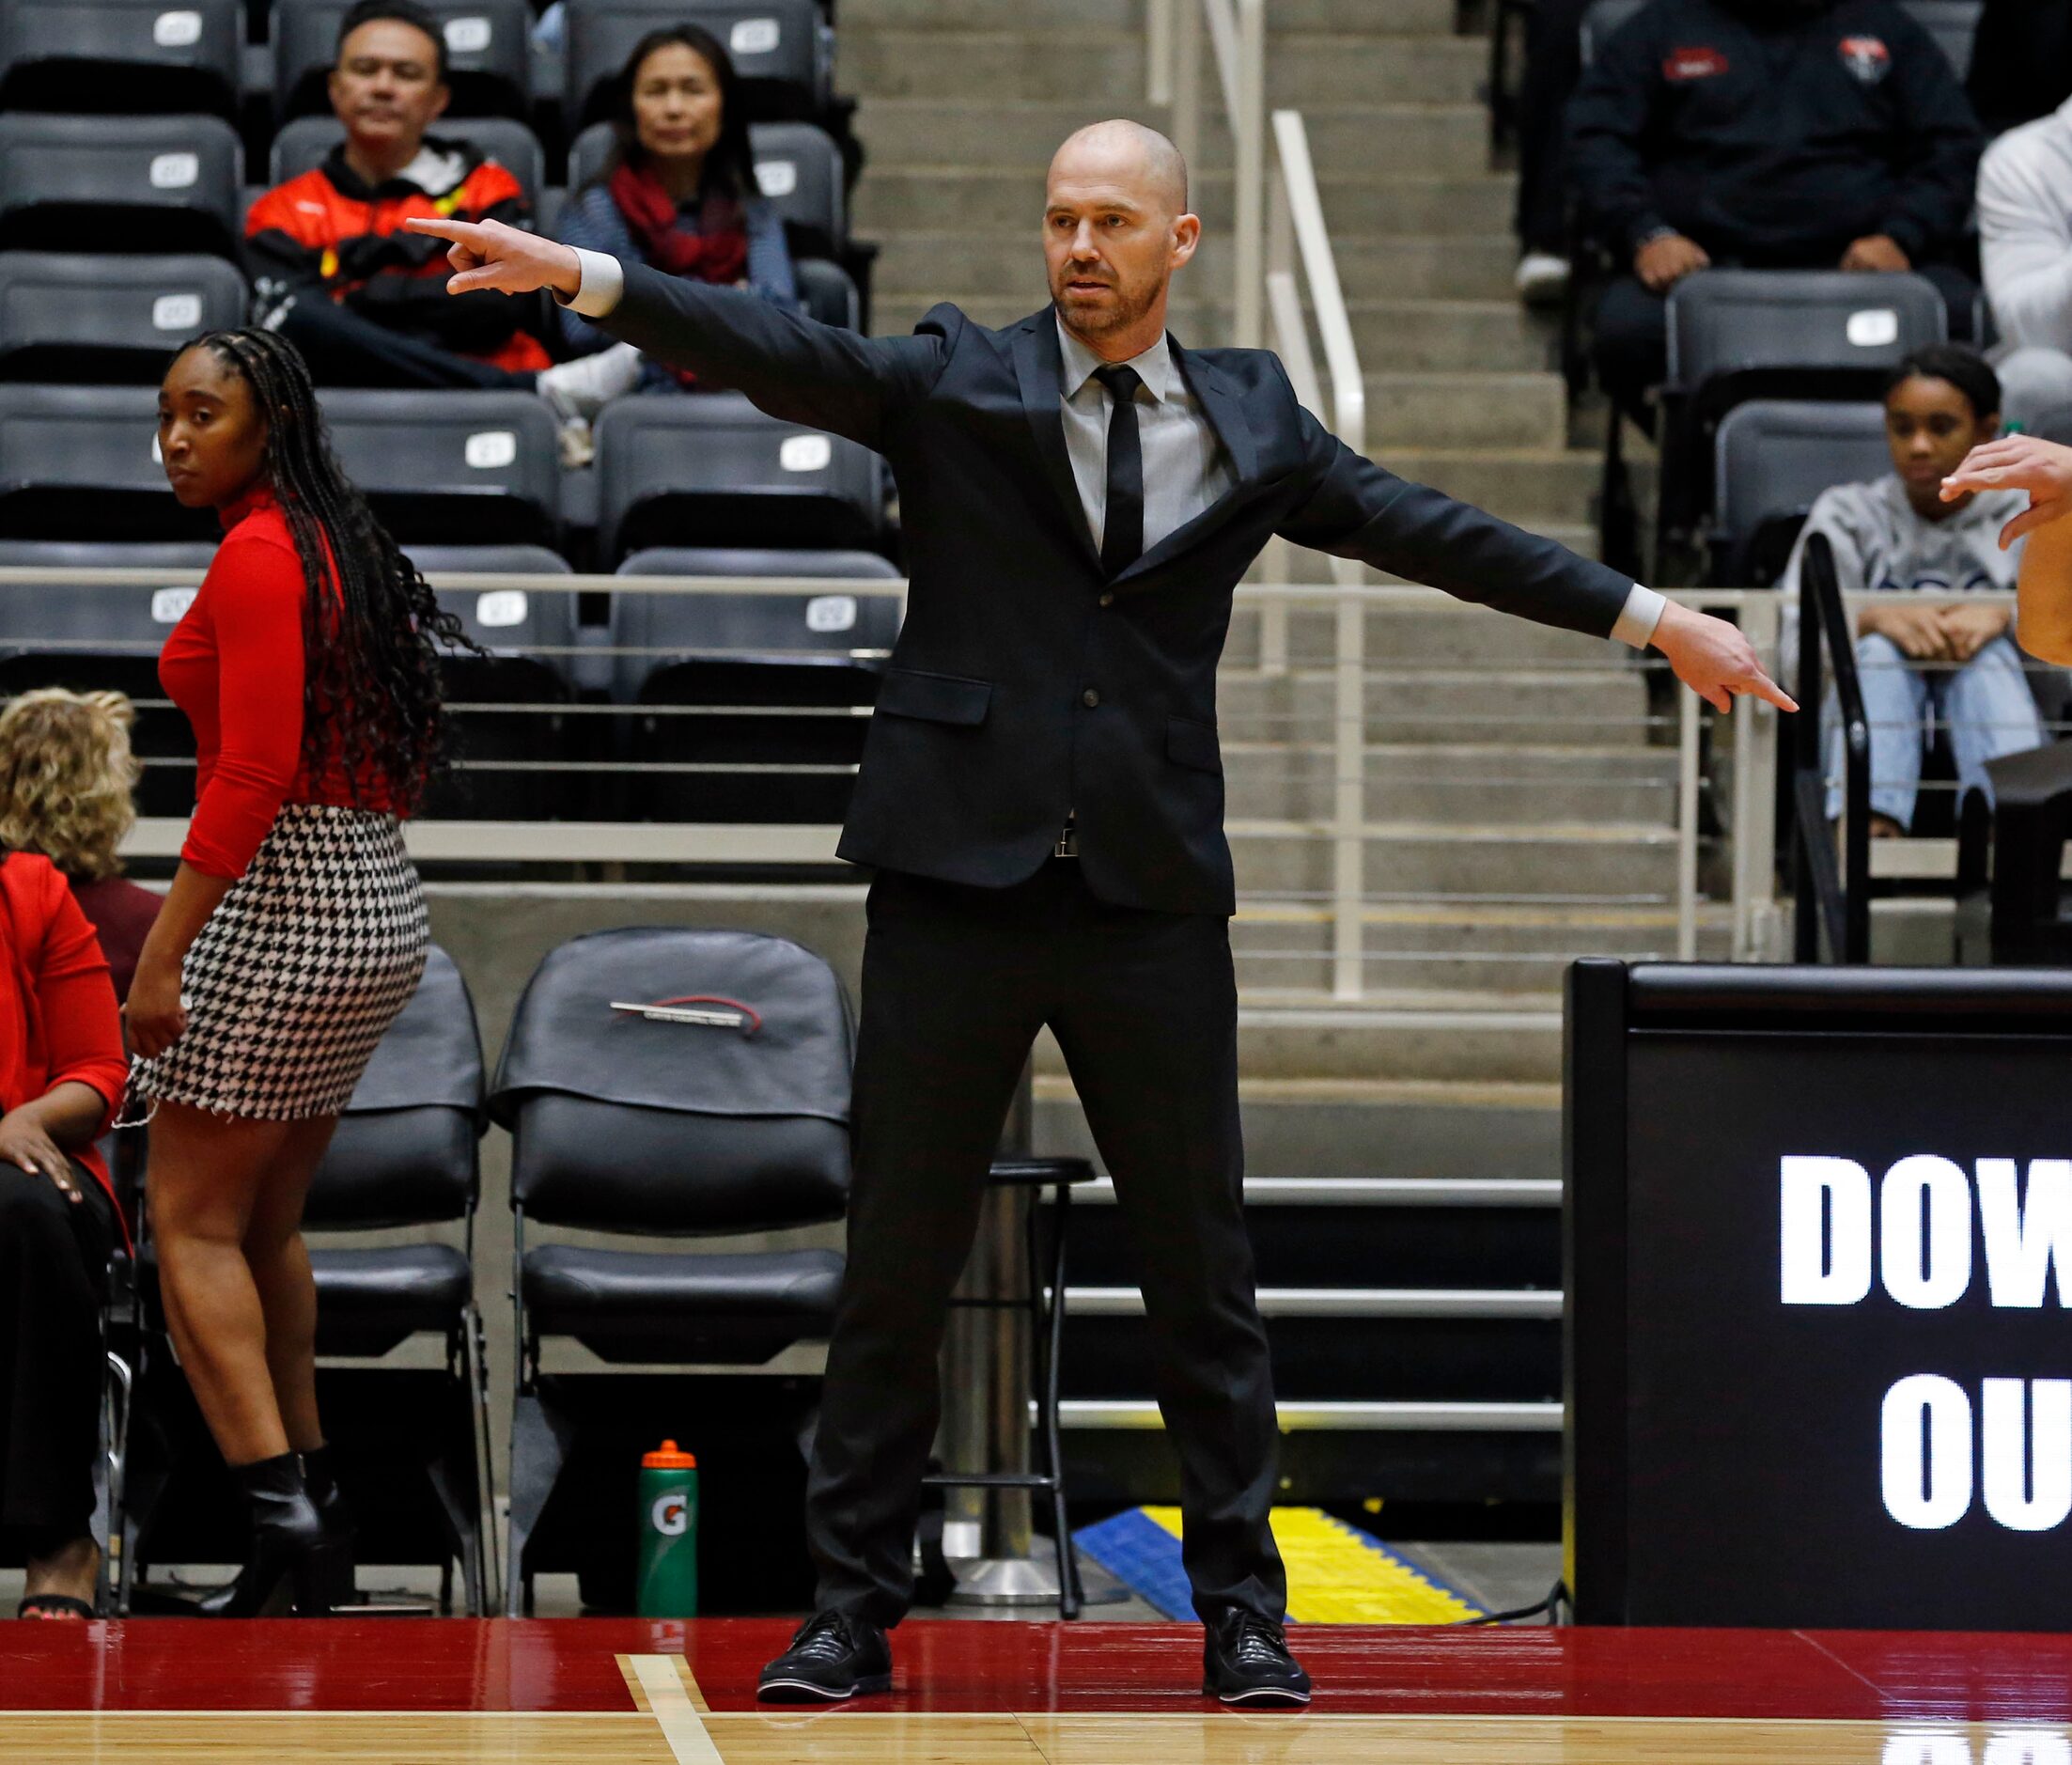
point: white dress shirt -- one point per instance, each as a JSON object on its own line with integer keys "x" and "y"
{"x": 1184, "y": 467}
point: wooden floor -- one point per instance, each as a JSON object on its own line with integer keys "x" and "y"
{"x": 603, "y": 1692}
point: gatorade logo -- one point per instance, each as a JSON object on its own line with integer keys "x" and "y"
{"x": 671, "y": 1516}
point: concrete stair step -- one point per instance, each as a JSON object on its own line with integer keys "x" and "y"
{"x": 1452, "y": 336}
{"x": 1396, "y": 269}
{"x": 1466, "y": 410}
{"x": 1358, "y": 203}
{"x": 1409, "y": 1035}
{"x": 1097, "y": 71}
{"x": 1274, "y": 780}
{"x": 1436, "y": 635}
{"x": 1520, "y": 482}
{"x": 1606, "y": 705}
{"x": 1367, "y": 16}
{"x": 1414, "y": 139}
{"x": 1635, "y": 863}
{"x": 1361, "y": 1127}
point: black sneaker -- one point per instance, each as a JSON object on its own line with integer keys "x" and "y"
{"x": 833, "y": 1656}
{"x": 1245, "y": 1662}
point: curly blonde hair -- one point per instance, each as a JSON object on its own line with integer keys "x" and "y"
{"x": 66, "y": 775}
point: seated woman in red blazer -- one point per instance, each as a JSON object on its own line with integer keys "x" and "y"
{"x": 61, "y": 1074}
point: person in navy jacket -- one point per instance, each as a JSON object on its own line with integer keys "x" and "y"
{"x": 1798, "y": 135}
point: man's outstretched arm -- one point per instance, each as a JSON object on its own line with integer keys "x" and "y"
{"x": 1356, "y": 510}
{"x": 788, "y": 365}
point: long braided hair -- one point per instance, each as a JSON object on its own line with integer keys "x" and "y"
{"x": 371, "y": 693}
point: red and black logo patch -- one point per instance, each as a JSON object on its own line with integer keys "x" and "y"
{"x": 1693, "y": 64}
{"x": 1866, "y": 59}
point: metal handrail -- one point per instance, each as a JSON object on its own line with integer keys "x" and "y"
{"x": 1236, "y": 35}
{"x": 1829, "y": 896}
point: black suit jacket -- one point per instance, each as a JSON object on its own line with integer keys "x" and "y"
{"x": 1025, "y": 683}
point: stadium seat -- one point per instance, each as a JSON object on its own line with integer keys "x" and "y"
{"x": 660, "y": 1124}
{"x": 827, "y": 294}
{"x": 797, "y": 163}
{"x": 1772, "y": 456}
{"x": 488, "y": 54}
{"x": 128, "y": 183}
{"x": 73, "y": 317}
{"x": 498, "y": 755}
{"x": 1954, "y": 25}
{"x": 782, "y": 50}
{"x": 731, "y": 652}
{"x": 453, "y": 468}
{"x": 304, "y": 144}
{"x": 713, "y": 469}
{"x": 406, "y": 1155}
{"x": 106, "y": 640}
{"x": 121, "y": 55}
{"x": 83, "y": 460}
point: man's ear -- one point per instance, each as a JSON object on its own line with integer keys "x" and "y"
{"x": 1989, "y": 427}
{"x": 1186, "y": 235}
{"x": 440, "y": 102}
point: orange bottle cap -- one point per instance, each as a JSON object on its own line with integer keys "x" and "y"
{"x": 670, "y": 1458}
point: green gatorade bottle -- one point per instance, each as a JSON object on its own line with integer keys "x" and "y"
{"x": 666, "y": 1580}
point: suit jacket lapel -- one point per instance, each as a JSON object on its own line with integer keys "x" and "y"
{"x": 1039, "y": 370}
{"x": 1224, "y": 408}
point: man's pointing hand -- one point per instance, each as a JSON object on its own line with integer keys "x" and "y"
{"x": 489, "y": 254}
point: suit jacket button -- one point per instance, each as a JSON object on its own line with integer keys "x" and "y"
{"x": 1089, "y": 699}
{"x": 1108, "y": 600}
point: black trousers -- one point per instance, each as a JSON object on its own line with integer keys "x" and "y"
{"x": 1553, "y": 64}
{"x": 53, "y": 1281}
{"x": 346, "y": 349}
{"x": 957, "y": 982}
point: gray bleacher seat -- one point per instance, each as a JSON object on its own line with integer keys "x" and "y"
{"x": 1729, "y": 322}
{"x": 782, "y": 50}
{"x": 1771, "y": 458}
{"x": 827, "y": 294}
{"x": 740, "y": 651}
{"x": 120, "y": 54}
{"x": 711, "y": 467}
{"x": 73, "y": 317}
{"x": 302, "y": 145}
{"x": 452, "y": 467}
{"x": 489, "y": 63}
{"x": 1603, "y": 18}
{"x": 126, "y": 183}
{"x": 797, "y": 163}
{"x": 1954, "y": 25}
{"x": 106, "y": 640}
{"x": 83, "y": 460}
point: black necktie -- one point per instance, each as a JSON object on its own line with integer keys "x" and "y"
{"x": 1122, "y": 530}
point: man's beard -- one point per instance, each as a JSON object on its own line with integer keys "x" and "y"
{"x": 1098, "y": 320}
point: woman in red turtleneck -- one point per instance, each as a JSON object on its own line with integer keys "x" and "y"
{"x": 294, "y": 930}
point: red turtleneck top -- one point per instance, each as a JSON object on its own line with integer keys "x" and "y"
{"x": 234, "y": 664}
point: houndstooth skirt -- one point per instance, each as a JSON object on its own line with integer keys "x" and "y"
{"x": 298, "y": 973}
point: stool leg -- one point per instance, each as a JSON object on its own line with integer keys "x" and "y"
{"x": 1071, "y": 1595}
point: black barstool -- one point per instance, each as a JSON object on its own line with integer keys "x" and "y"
{"x": 1019, "y": 1181}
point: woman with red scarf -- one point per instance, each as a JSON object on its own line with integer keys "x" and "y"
{"x": 678, "y": 194}
{"x": 61, "y": 1072}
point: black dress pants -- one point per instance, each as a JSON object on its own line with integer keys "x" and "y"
{"x": 53, "y": 1281}
{"x": 346, "y": 348}
{"x": 957, "y": 982}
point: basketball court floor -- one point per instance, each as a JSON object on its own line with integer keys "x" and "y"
{"x": 610, "y": 1692}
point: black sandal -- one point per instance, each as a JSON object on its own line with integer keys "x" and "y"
{"x": 55, "y": 1606}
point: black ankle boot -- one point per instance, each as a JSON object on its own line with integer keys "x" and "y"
{"x": 319, "y": 1477}
{"x": 290, "y": 1555}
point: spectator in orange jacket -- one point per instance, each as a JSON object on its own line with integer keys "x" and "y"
{"x": 363, "y": 298}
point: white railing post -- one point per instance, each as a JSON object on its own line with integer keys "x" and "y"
{"x": 1687, "y": 826}
{"x": 1187, "y": 81}
{"x": 1249, "y": 129}
{"x": 1158, "y": 51}
{"x": 1754, "y": 831}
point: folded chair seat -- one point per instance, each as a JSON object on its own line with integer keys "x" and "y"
{"x": 369, "y": 1300}
{"x": 647, "y": 1305}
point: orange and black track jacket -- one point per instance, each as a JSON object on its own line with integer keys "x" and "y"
{"x": 329, "y": 228}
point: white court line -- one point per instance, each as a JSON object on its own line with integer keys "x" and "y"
{"x": 673, "y": 1709}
